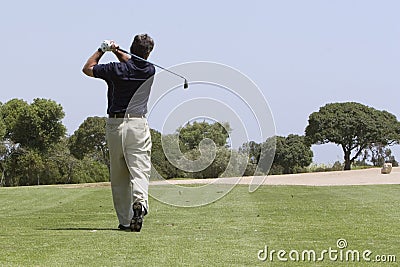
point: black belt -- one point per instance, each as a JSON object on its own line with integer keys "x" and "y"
{"x": 125, "y": 115}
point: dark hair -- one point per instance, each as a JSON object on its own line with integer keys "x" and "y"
{"x": 142, "y": 45}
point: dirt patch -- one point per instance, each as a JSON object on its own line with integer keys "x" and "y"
{"x": 339, "y": 178}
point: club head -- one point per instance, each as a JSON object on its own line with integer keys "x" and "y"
{"x": 186, "y": 85}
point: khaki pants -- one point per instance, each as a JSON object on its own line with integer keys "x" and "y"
{"x": 129, "y": 144}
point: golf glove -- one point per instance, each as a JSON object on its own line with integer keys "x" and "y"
{"x": 106, "y": 46}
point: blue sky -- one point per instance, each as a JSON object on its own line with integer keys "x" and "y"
{"x": 301, "y": 54}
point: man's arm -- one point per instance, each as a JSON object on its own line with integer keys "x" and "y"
{"x": 91, "y": 62}
{"x": 122, "y": 57}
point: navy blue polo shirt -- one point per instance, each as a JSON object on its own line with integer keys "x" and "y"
{"x": 123, "y": 80}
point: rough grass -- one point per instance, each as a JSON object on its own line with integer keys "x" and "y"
{"x": 53, "y": 226}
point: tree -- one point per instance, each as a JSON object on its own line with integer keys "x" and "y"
{"x": 352, "y": 126}
{"x": 50, "y": 128}
{"x": 2, "y": 129}
{"x": 36, "y": 126}
{"x": 191, "y": 135}
{"x": 22, "y": 167}
{"x": 174, "y": 153}
{"x": 88, "y": 170}
{"x": 30, "y": 166}
{"x": 90, "y": 140}
{"x": 61, "y": 165}
{"x": 253, "y": 149}
{"x": 378, "y": 155}
{"x": 34, "y": 148}
{"x": 278, "y": 155}
{"x": 10, "y": 113}
{"x": 267, "y": 156}
{"x": 218, "y": 167}
{"x": 2, "y": 134}
{"x": 290, "y": 154}
{"x": 158, "y": 159}
{"x": 3, "y": 149}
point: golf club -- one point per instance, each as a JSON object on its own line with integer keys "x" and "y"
{"x": 185, "y": 84}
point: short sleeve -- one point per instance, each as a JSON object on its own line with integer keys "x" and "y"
{"x": 104, "y": 71}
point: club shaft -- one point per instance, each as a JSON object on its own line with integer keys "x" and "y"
{"x": 135, "y": 56}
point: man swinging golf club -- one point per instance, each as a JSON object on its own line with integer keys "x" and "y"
{"x": 130, "y": 152}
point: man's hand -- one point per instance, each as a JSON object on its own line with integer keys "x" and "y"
{"x": 109, "y": 45}
{"x": 95, "y": 58}
{"x": 114, "y": 46}
{"x": 106, "y": 46}
{"x": 122, "y": 57}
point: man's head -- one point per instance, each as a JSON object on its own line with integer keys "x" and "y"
{"x": 142, "y": 45}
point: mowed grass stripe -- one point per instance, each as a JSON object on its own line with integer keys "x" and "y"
{"x": 51, "y": 226}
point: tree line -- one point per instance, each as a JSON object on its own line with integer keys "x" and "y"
{"x": 35, "y": 148}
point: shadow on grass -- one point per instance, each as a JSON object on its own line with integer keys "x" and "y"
{"x": 78, "y": 229}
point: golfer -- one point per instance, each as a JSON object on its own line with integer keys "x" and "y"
{"x": 127, "y": 133}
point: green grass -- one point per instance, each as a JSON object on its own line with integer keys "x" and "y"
{"x": 51, "y": 226}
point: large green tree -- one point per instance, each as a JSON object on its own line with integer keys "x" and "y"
{"x": 36, "y": 126}
{"x": 50, "y": 128}
{"x": 159, "y": 161}
{"x": 353, "y": 127}
{"x": 90, "y": 140}
{"x": 10, "y": 113}
{"x": 290, "y": 154}
{"x": 174, "y": 153}
{"x": 28, "y": 168}
{"x": 219, "y": 166}
{"x": 2, "y": 129}
{"x": 190, "y": 137}
{"x": 253, "y": 150}
{"x": 34, "y": 149}
{"x": 192, "y": 134}
{"x": 3, "y": 149}
{"x": 31, "y": 130}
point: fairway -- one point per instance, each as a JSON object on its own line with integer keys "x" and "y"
{"x": 58, "y": 226}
